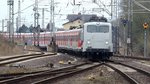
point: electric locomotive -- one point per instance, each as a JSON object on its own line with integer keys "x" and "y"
{"x": 94, "y": 40}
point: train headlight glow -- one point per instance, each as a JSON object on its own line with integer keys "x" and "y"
{"x": 107, "y": 42}
{"x": 88, "y": 42}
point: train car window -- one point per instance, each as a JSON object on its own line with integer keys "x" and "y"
{"x": 98, "y": 28}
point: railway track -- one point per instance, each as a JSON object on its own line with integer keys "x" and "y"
{"x": 10, "y": 60}
{"x": 13, "y": 75}
{"x": 19, "y": 59}
{"x": 49, "y": 75}
{"x": 68, "y": 74}
{"x": 131, "y": 57}
{"x": 14, "y": 57}
{"x": 138, "y": 77}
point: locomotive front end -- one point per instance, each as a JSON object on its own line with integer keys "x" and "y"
{"x": 98, "y": 40}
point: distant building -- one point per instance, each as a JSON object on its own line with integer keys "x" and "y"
{"x": 73, "y": 24}
{"x": 77, "y": 20}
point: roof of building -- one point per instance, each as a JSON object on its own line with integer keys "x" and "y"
{"x": 85, "y": 17}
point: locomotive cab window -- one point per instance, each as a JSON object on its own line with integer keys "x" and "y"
{"x": 98, "y": 28}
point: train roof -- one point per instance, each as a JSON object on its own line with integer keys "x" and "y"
{"x": 90, "y": 23}
{"x": 24, "y": 33}
{"x": 74, "y": 30}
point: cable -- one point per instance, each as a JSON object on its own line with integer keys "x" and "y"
{"x": 71, "y": 3}
{"x": 67, "y": 4}
{"x": 107, "y": 11}
{"x": 137, "y": 3}
{"x": 27, "y": 7}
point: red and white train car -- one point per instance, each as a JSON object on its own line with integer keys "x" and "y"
{"x": 94, "y": 39}
{"x": 30, "y": 38}
{"x": 69, "y": 40}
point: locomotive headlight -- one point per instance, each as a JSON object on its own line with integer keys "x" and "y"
{"x": 107, "y": 42}
{"x": 89, "y": 42}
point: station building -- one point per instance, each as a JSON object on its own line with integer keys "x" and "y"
{"x": 77, "y": 20}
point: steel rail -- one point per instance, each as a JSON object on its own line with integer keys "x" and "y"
{"x": 40, "y": 74}
{"x": 65, "y": 75}
{"x": 23, "y": 59}
{"x": 14, "y": 57}
{"x": 14, "y": 75}
{"x": 127, "y": 77}
{"x": 137, "y": 69}
{"x": 2, "y": 76}
{"x": 36, "y": 51}
{"x": 138, "y": 58}
{"x": 5, "y": 78}
{"x": 26, "y": 75}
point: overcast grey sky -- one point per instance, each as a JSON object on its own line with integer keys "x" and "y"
{"x": 64, "y": 6}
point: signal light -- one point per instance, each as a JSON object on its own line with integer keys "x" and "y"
{"x": 145, "y": 25}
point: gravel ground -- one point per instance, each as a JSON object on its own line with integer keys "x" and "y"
{"x": 145, "y": 65}
{"x": 101, "y": 75}
{"x": 36, "y": 64}
{"x": 139, "y": 77}
{"x": 42, "y": 62}
{"x": 142, "y": 79}
{"x": 138, "y": 65}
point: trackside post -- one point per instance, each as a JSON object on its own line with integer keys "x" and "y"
{"x": 145, "y": 26}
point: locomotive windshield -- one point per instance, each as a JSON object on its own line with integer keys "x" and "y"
{"x": 98, "y": 28}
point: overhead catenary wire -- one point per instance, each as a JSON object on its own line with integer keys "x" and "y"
{"x": 139, "y": 4}
{"x": 28, "y": 7}
{"x": 67, "y": 4}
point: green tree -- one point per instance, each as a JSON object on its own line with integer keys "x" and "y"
{"x": 23, "y": 29}
{"x": 31, "y": 28}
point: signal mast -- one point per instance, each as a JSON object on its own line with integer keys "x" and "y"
{"x": 10, "y": 29}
